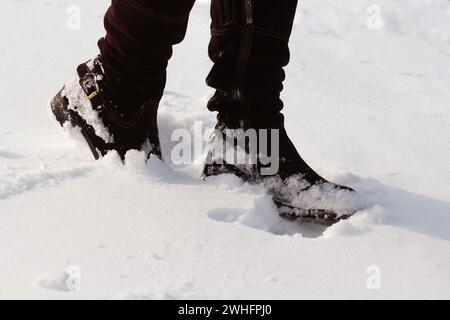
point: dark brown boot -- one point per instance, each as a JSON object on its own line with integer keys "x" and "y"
{"x": 113, "y": 99}
{"x": 249, "y": 48}
{"x": 107, "y": 121}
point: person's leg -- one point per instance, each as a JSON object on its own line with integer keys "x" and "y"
{"x": 139, "y": 40}
{"x": 114, "y": 99}
{"x": 249, "y": 48}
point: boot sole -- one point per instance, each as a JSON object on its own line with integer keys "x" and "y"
{"x": 319, "y": 216}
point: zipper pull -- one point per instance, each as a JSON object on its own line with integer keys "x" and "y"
{"x": 249, "y": 11}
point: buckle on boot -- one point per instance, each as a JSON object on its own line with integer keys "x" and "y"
{"x": 90, "y": 86}
{"x": 95, "y": 93}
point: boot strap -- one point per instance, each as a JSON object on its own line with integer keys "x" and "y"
{"x": 89, "y": 84}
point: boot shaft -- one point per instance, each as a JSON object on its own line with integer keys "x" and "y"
{"x": 139, "y": 38}
{"x": 249, "y": 48}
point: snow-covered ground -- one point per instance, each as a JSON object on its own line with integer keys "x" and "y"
{"x": 367, "y": 103}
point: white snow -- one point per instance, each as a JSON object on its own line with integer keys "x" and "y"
{"x": 367, "y": 104}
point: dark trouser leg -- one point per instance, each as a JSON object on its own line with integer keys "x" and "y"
{"x": 249, "y": 48}
{"x": 139, "y": 40}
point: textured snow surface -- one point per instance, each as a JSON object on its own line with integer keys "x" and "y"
{"x": 367, "y": 108}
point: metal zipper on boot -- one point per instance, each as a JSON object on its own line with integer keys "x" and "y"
{"x": 245, "y": 51}
{"x": 246, "y": 42}
{"x": 248, "y": 11}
